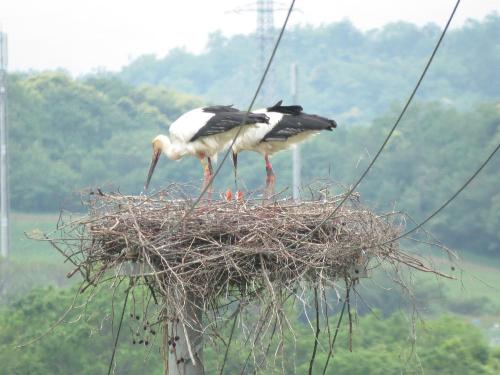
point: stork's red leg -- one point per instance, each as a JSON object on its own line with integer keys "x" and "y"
{"x": 270, "y": 179}
{"x": 209, "y": 172}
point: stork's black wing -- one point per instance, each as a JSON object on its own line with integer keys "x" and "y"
{"x": 220, "y": 108}
{"x": 291, "y": 125}
{"x": 226, "y": 118}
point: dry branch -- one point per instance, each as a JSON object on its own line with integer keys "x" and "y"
{"x": 228, "y": 251}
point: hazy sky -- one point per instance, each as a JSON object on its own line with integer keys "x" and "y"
{"x": 82, "y": 35}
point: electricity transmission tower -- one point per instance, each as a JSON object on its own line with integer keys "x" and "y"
{"x": 265, "y": 36}
{"x": 4, "y": 186}
{"x": 265, "y": 33}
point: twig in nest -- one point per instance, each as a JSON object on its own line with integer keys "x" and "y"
{"x": 225, "y": 250}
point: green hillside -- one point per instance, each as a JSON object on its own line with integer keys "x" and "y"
{"x": 343, "y": 72}
{"x": 69, "y": 136}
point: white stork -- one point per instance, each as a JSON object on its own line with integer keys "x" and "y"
{"x": 287, "y": 125}
{"x": 202, "y": 132}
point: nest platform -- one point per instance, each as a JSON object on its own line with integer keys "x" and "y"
{"x": 255, "y": 254}
{"x": 220, "y": 246}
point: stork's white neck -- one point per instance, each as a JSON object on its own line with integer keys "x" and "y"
{"x": 170, "y": 149}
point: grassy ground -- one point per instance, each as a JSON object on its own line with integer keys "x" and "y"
{"x": 479, "y": 288}
{"x": 31, "y": 263}
{"x": 24, "y": 249}
{"x": 476, "y": 277}
{"x": 480, "y": 277}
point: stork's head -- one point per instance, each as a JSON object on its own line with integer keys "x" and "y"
{"x": 160, "y": 144}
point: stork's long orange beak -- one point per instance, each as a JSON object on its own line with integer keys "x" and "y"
{"x": 154, "y": 161}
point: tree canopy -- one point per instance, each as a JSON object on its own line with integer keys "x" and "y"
{"x": 83, "y": 342}
{"x": 343, "y": 72}
{"x": 69, "y": 134}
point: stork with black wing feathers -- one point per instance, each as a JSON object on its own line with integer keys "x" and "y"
{"x": 202, "y": 132}
{"x": 287, "y": 125}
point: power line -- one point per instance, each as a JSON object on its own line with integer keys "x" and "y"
{"x": 118, "y": 333}
{"x": 408, "y": 102}
{"x": 443, "y": 206}
{"x": 261, "y": 82}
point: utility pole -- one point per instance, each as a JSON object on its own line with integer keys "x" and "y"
{"x": 4, "y": 173}
{"x": 296, "y": 149}
{"x": 186, "y": 343}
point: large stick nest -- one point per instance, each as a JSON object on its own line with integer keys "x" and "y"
{"x": 223, "y": 252}
{"x": 221, "y": 246}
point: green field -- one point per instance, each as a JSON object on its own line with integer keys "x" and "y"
{"x": 33, "y": 263}
{"x": 26, "y": 249}
{"x": 480, "y": 277}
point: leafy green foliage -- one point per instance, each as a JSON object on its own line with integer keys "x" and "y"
{"x": 83, "y": 343}
{"x": 68, "y": 134}
{"x": 343, "y": 72}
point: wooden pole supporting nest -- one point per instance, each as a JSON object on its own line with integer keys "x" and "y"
{"x": 184, "y": 339}
{"x": 195, "y": 263}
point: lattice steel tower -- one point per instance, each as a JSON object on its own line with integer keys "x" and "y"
{"x": 265, "y": 35}
{"x": 265, "y": 39}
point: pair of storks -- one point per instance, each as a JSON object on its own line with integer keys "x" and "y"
{"x": 204, "y": 132}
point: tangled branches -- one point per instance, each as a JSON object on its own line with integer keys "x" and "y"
{"x": 223, "y": 252}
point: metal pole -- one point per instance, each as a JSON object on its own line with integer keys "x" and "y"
{"x": 296, "y": 149}
{"x": 4, "y": 185}
{"x": 186, "y": 341}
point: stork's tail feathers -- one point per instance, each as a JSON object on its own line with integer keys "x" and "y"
{"x": 333, "y": 124}
{"x": 319, "y": 122}
{"x": 285, "y": 109}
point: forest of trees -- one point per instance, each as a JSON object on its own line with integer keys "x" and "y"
{"x": 70, "y": 135}
{"x": 351, "y": 75}
{"x": 82, "y": 344}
